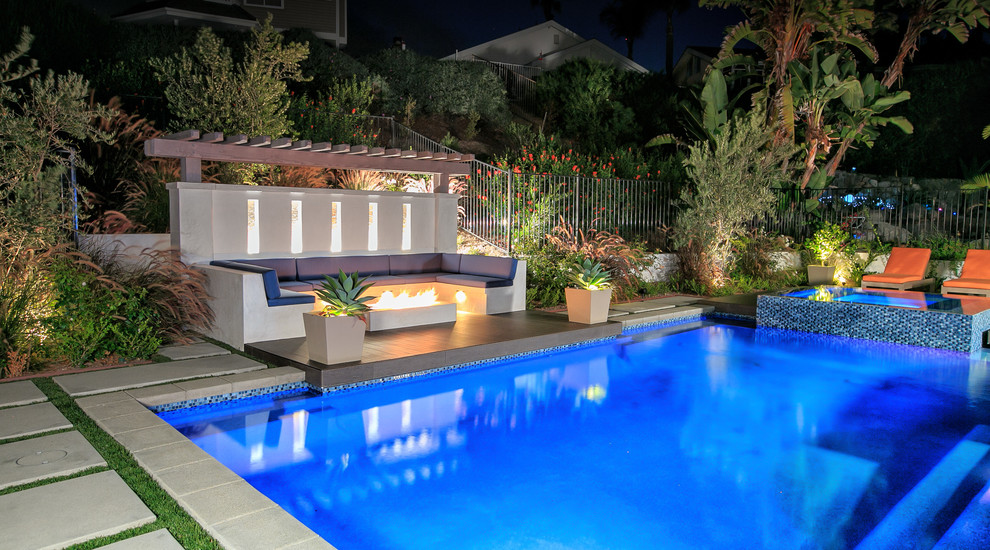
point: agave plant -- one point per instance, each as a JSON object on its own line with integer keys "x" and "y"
{"x": 343, "y": 295}
{"x": 590, "y": 275}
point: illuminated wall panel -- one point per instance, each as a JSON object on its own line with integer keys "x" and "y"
{"x": 296, "y": 231}
{"x": 253, "y": 227}
{"x": 406, "y": 226}
{"x": 372, "y": 226}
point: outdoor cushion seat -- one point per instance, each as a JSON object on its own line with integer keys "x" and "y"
{"x": 269, "y": 278}
{"x": 476, "y": 281}
{"x": 488, "y": 266}
{"x": 383, "y": 280}
{"x": 413, "y": 278}
{"x": 905, "y": 269}
{"x": 285, "y": 268}
{"x": 404, "y": 264}
{"x": 975, "y": 275}
{"x": 288, "y": 297}
{"x": 299, "y": 286}
{"x": 308, "y": 269}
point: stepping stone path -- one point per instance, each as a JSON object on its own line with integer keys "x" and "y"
{"x": 45, "y": 457}
{"x": 70, "y": 512}
{"x": 31, "y": 419}
{"x": 89, "y": 383}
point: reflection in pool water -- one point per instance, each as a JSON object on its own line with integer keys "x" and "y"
{"x": 708, "y": 436}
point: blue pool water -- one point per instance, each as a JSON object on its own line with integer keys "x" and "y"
{"x": 701, "y": 435}
{"x": 912, "y": 300}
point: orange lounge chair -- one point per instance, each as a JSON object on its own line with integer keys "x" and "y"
{"x": 975, "y": 276}
{"x": 905, "y": 269}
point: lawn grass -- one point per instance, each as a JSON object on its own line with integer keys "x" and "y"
{"x": 168, "y": 512}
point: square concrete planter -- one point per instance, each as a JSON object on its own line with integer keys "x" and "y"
{"x": 821, "y": 275}
{"x": 333, "y": 340}
{"x": 587, "y": 306}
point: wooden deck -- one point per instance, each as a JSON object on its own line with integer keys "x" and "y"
{"x": 472, "y": 337}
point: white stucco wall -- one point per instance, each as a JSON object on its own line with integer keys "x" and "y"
{"x": 210, "y": 221}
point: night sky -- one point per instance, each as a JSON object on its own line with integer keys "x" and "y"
{"x": 439, "y": 27}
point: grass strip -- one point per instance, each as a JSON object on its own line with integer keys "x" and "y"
{"x": 169, "y": 514}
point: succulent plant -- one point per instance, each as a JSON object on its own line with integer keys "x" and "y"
{"x": 590, "y": 275}
{"x": 343, "y": 295}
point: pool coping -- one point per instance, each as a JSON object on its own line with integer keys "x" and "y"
{"x": 226, "y": 505}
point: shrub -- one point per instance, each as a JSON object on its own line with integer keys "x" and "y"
{"x": 622, "y": 260}
{"x": 546, "y": 273}
{"x": 23, "y": 289}
{"x": 414, "y": 82}
{"x": 753, "y": 253}
{"x": 330, "y": 115}
{"x": 103, "y": 306}
{"x": 829, "y": 240}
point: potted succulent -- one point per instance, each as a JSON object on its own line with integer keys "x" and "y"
{"x": 335, "y": 334}
{"x": 823, "y": 246}
{"x": 588, "y": 298}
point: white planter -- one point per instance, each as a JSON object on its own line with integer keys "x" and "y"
{"x": 587, "y": 306}
{"x": 821, "y": 275}
{"x": 333, "y": 340}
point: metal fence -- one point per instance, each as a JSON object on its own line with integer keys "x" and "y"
{"x": 384, "y": 131}
{"x": 505, "y": 208}
{"x": 894, "y": 214}
{"x": 519, "y": 81}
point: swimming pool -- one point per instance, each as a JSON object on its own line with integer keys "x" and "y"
{"x": 702, "y": 435}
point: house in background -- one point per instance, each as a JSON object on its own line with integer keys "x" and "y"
{"x": 543, "y": 47}
{"x": 327, "y": 19}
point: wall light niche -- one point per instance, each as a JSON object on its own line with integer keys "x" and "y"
{"x": 335, "y": 244}
{"x": 372, "y": 226}
{"x": 406, "y": 226}
{"x": 253, "y": 227}
{"x": 295, "y": 235}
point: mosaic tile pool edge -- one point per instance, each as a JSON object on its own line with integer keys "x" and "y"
{"x": 931, "y": 329}
{"x": 213, "y": 399}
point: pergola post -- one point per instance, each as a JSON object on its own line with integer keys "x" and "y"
{"x": 192, "y": 169}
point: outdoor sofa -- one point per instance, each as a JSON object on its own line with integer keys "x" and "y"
{"x": 263, "y": 299}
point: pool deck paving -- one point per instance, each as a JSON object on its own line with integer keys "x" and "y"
{"x": 230, "y": 509}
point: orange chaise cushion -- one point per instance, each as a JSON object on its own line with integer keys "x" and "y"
{"x": 894, "y": 278}
{"x": 976, "y": 266}
{"x": 908, "y": 262}
{"x": 965, "y": 282}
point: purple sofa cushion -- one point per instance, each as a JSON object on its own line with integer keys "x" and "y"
{"x": 365, "y": 265}
{"x": 488, "y": 266}
{"x": 404, "y": 264}
{"x": 451, "y": 263}
{"x": 476, "y": 281}
{"x": 313, "y": 269}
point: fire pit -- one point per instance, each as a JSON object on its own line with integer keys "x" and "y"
{"x": 398, "y": 309}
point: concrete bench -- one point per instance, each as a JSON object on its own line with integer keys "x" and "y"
{"x": 477, "y": 284}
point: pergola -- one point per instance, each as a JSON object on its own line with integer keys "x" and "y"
{"x": 191, "y": 148}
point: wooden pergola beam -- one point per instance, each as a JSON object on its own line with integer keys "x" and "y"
{"x": 192, "y": 149}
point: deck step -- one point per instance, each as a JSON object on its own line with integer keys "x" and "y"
{"x": 634, "y": 319}
{"x": 971, "y": 530}
{"x": 908, "y": 524}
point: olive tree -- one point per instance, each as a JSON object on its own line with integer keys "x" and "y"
{"x": 731, "y": 176}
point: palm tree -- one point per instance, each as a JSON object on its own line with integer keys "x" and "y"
{"x": 669, "y": 7}
{"x": 627, "y": 19}
{"x": 548, "y": 6}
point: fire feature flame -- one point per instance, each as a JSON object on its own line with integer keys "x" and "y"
{"x": 389, "y": 300}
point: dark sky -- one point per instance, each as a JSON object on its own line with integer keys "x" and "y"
{"x": 438, "y": 27}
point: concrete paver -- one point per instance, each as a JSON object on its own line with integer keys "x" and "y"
{"x": 151, "y": 396}
{"x": 169, "y": 456}
{"x": 30, "y": 420}
{"x": 130, "y": 422}
{"x": 204, "y": 387}
{"x": 45, "y": 457}
{"x": 102, "y": 399}
{"x": 70, "y": 512}
{"x": 148, "y": 438}
{"x": 155, "y": 540}
{"x": 271, "y": 528}
{"x": 23, "y": 392}
{"x": 224, "y": 503}
{"x": 89, "y": 383}
{"x": 195, "y": 476}
{"x": 192, "y": 351}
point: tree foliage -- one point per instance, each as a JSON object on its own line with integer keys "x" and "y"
{"x": 731, "y": 177}
{"x": 208, "y": 91}
{"x": 42, "y": 120}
